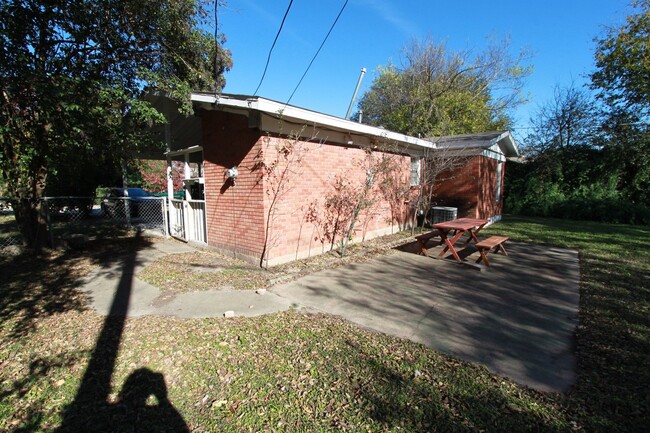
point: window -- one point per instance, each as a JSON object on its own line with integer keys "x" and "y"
{"x": 499, "y": 180}
{"x": 415, "y": 170}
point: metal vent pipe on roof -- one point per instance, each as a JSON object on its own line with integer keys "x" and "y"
{"x": 363, "y": 72}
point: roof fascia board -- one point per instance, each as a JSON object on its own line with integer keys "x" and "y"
{"x": 303, "y": 116}
{"x": 271, "y": 124}
{"x": 187, "y": 150}
{"x": 509, "y": 147}
{"x": 505, "y": 141}
{"x": 476, "y": 151}
{"x": 497, "y": 139}
{"x": 469, "y": 151}
{"x": 492, "y": 154}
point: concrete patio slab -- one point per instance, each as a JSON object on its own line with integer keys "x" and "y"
{"x": 517, "y": 318}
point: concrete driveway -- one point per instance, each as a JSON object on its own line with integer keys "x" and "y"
{"x": 518, "y": 318}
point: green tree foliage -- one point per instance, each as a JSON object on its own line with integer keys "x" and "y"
{"x": 581, "y": 165}
{"x": 583, "y": 183}
{"x": 627, "y": 145}
{"x": 72, "y": 75}
{"x": 591, "y": 160}
{"x": 622, "y": 75}
{"x": 440, "y": 92}
{"x": 560, "y": 148}
{"x": 622, "y": 80}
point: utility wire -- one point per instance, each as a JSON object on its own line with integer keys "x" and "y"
{"x": 319, "y": 48}
{"x": 273, "y": 46}
{"x": 216, "y": 44}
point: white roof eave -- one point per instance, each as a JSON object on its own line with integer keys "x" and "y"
{"x": 312, "y": 117}
{"x": 511, "y": 149}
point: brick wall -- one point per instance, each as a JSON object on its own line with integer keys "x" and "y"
{"x": 291, "y": 234}
{"x": 235, "y": 220}
{"x": 488, "y": 207}
{"x": 471, "y": 188}
{"x": 279, "y": 181}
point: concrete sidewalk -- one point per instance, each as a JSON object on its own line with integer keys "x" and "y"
{"x": 146, "y": 299}
{"x": 517, "y": 318}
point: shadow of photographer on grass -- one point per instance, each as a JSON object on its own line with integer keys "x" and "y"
{"x": 143, "y": 404}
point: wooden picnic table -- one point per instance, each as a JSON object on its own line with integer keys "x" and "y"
{"x": 460, "y": 226}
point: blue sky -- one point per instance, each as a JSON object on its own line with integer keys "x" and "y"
{"x": 370, "y": 33}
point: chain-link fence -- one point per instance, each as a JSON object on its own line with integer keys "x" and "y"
{"x": 147, "y": 213}
{"x": 9, "y": 233}
{"x": 69, "y": 218}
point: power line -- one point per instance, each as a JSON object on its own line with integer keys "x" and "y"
{"x": 216, "y": 43}
{"x": 319, "y": 48}
{"x": 273, "y": 46}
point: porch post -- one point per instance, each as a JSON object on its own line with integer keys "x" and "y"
{"x": 168, "y": 143}
{"x": 189, "y": 230}
{"x": 187, "y": 174}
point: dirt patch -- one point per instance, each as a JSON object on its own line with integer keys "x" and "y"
{"x": 164, "y": 299}
{"x": 206, "y": 270}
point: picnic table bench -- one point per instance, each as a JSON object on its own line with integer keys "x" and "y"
{"x": 491, "y": 244}
{"x": 423, "y": 239}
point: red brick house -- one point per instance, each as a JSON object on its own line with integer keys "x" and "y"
{"x": 475, "y": 186}
{"x": 266, "y": 181}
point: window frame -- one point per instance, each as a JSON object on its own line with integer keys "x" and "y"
{"x": 497, "y": 192}
{"x": 416, "y": 162}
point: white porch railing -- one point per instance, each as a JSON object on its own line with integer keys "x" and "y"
{"x": 187, "y": 220}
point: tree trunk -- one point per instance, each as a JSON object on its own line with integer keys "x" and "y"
{"x": 30, "y": 209}
{"x": 31, "y": 217}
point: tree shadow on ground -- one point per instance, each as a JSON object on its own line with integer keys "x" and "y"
{"x": 35, "y": 286}
{"x": 39, "y": 286}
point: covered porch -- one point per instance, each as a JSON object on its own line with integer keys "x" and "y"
{"x": 182, "y": 135}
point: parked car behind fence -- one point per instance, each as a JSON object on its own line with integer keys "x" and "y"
{"x": 134, "y": 202}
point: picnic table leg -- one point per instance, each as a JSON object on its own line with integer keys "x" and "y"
{"x": 422, "y": 245}
{"x": 473, "y": 235}
{"x": 485, "y": 251}
{"x": 478, "y": 229}
{"x": 456, "y": 256}
{"x": 450, "y": 245}
{"x": 445, "y": 238}
{"x": 483, "y": 257}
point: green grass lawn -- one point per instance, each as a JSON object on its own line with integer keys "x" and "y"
{"x": 612, "y": 392}
{"x": 298, "y": 372}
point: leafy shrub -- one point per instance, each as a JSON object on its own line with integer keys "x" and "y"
{"x": 598, "y": 201}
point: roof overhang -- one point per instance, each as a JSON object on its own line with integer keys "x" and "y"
{"x": 272, "y": 116}
{"x": 180, "y": 132}
{"x": 507, "y": 144}
{"x": 497, "y": 145}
